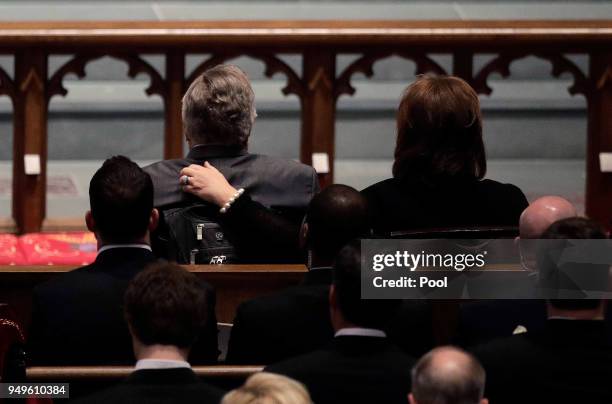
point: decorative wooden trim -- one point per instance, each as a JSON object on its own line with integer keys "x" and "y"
{"x": 77, "y": 64}
{"x": 365, "y": 65}
{"x": 7, "y": 86}
{"x": 272, "y": 65}
{"x": 560, "y": 64}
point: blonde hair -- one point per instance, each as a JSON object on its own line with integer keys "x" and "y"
{"x": 218, "y": 107}
{"x": 268, "y": 388}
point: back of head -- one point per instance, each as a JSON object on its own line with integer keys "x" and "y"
{"x": 543, "y": 212}
{"x": 439, "y": 131}
{"x": 448, "y": 375}
{"x": 268, "y": 388}
{"x": 366, "y": 313}
{"x": 166, "y": 305}
{"x": 335, "y": 216}
{"x": 218, "y": 107}
{"x": 121, "y": 200}
{"x": 556, "y": 275}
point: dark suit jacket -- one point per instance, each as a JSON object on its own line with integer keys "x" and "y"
{"x": 485, "y": 320}
{"x": 158, "y": 386}
{"x": 570, "y": 361}
{"x": 284, "y": 186}
{"x": 405, "y": 204}
{"x": 292, "y": 322}
{"x": 77, "y": 318}
{"x": 352, "y": 369}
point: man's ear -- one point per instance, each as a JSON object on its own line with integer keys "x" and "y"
{"x": 411, "y": 399}
{"x": 90, "y": 222}
{"x": 303, "y": 237}
{"x": 484, "y": 401}
{"x": 333, "y": 297}
{"x": 153, "y": 220}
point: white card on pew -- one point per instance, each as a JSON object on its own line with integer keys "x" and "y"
{"x": 605, "y": 162}
{"x": 320, "y": 162}
{"x": 31, "y": 164}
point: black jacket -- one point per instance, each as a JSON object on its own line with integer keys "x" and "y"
{"x": 569, "y": 361}
{"x": 77, "y": 318}
{"x": 284, "y": 186}
{"x": 352, "y": 369}
{"x": 292, "y": 322}
{"x": 158, "y": 386}
{"x": 408, "y": 204}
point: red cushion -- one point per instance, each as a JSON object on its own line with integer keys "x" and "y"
{"x": 10, "y": 253}
{"x": 78, "y": 248}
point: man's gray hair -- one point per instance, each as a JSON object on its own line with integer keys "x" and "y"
{"x": 218, "y": 107}
{"x": 448, "y": 375}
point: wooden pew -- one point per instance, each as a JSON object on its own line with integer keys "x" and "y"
{"x": 233, "y": 283}
{"x": 85, "y": 380}
{"x": 113, "y": 373}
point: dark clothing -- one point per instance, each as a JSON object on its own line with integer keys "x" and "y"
{"x": 486, "y": 320}
{"x": 411, "y": 329}
{"x": 271, "y": 328}
{"x": 284, "y": 186}
{"x": 158, "y": 386}
{"x": 77, "y": 318}
{"x": 409, "y": 204}
{"x": 569, "y": 361}
{"x": 352, "y": 369}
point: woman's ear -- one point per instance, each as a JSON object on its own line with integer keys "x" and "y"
{"x": 153, "y": 220}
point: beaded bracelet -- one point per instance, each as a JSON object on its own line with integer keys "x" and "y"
{"x": 229, "y": 203}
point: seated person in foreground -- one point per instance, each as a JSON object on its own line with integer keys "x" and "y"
{"x": 485, "y": 320}
{"x": 165, "y": 308}
{"x": 77, "y": 318}
{"x": 570, "y": 360}
{"x": 268, "y": 388}
{"x": 360, "y": 365}
{"x": 295, "y": 321}
{"x": 447, "y": 375}
{"x": 440, "y": 164}
{"x": 218, "y": 115}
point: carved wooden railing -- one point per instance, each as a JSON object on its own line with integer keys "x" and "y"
{"x": 318, "y": 87}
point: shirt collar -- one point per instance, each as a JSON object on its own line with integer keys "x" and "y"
{"x": 204, "y": 151}
{"x": 360, "y": 332}
{"x": 134, "y": 245}
{"x": 160, "y": 364}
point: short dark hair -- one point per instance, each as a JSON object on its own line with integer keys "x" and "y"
{"x": 121, "y": 200}
{"x": 368, "y": 313}
{"x": 552, "y": 277}
{"x": 166, "y": 304}
{"x": 431, "y": 385}
{"x": 439, "y": 131}
{"x": 335, "y": 216}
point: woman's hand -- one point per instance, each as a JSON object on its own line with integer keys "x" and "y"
{"x": 207, "y": 183}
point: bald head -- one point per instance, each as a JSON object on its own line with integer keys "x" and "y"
{"x": 543, "y": 212}
{"x": 447, "y": 375}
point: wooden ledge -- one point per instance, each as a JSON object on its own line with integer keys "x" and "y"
{"x": 69, "y": 373}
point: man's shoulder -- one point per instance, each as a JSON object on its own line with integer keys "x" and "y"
{"x": 281, "y": 165}
{"x": 72, "y": 279}
{"x": 130, "y": 391}
{"x": 507, "y": 350}
{"x": 283, "y": 304}
{"x": 167, "y": 167}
